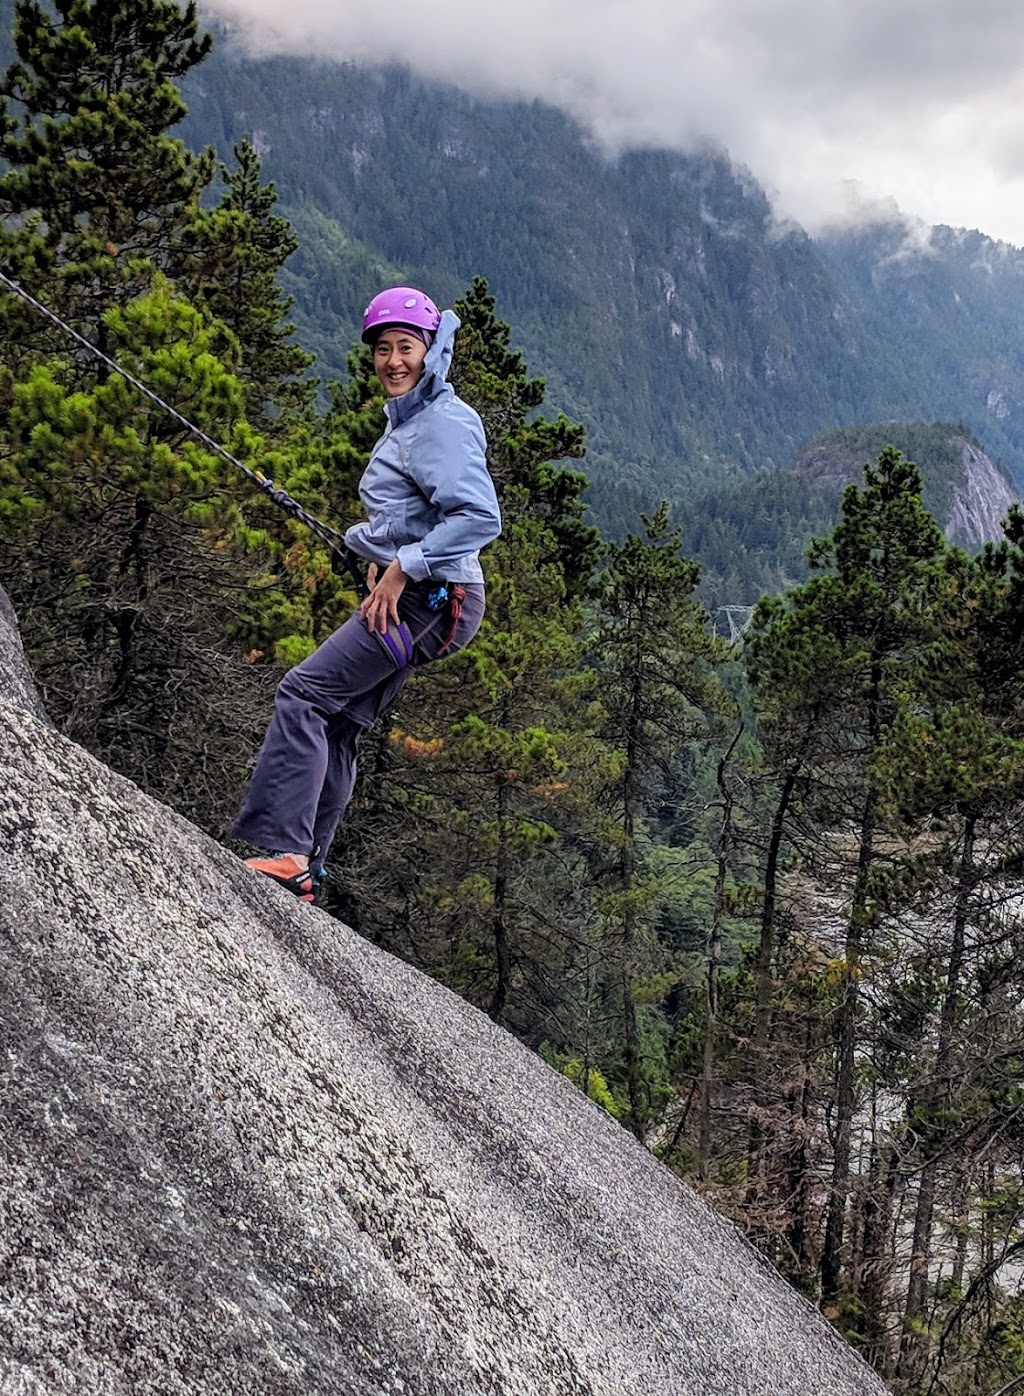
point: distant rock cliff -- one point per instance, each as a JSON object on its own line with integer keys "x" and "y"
{"x": 980, "y": 499}
{"x": 968, "y": 492}
{"x": 244, "y": 1153}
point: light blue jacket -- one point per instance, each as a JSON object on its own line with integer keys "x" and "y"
{"x": 427, "y": 493}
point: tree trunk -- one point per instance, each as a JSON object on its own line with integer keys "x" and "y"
{"x": 800, "y": 1172}
{"x": 915, "y": 1343}
{"x": 846, "y": 1067}
{"x": 763, "y": 985}
{"x": 502, "y": 953}
{"x": 876, "y": 1257}
{"x": 631, "y": 1041}
{"x": 849, "y": 1014}
{"x": 627, "y": 878}
{"x": 725, "y": 839}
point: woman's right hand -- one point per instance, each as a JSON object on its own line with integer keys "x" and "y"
{"x": 381, "y": 606}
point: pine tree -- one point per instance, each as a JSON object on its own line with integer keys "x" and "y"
{"x": 524, "y": 448}
{"x": 884, "y": 552}
{"x": 109, "y": 508}
{"x": 117, "y": 530}
{"x": 725, "y": 843}
{"x": 654, "y": 658}
{"x": 846, "y": 646}
{"x": 796, "y": 662}
{"x": 955, "y": 765}
{"x": 234, "y": 255}
{"x": 97, "y": 194}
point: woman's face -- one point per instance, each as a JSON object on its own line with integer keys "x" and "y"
{"x": 398, "y": 360}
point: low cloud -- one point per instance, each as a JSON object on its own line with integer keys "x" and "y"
{"x": 908, "y": 100}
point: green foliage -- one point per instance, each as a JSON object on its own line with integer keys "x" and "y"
{"x": 142, "y": 588}
{"x": 654, "y": 662}
{"x": 235, "y": 253}
{"x": 114, "y": 520}
{"x": 79, "y": 450}
{"x": 523, "y": 447}
{"x": 840, "y": 651}
{"x": 837, "y": 457}
{"x": 751, "y": 536}
{"x": 595, "y": 1087}
{"x": 654, "y": 653}
{"x": 97, "y": 191}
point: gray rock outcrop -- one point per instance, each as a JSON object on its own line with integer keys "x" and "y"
{"x": 981, "y": 499}
{"x": 243, "y": 1153}
{"x": 968, "y": 491}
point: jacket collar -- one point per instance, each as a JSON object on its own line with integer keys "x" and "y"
{"x": 434, "y": 381}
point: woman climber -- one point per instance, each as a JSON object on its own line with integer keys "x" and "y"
{"x": 431, "y": 507}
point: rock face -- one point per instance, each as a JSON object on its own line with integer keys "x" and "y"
{"x": 243, "y": 1153}
{"x": 980, "y": 500}
{"x": 16, "y": 686}
{"x": 968, "y": 492}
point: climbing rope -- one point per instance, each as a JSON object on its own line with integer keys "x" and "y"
{"x": 328, "y": 535}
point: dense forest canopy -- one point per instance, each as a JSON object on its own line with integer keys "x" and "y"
{"x": 760, "y": 901}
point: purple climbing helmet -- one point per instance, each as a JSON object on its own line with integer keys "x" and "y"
{"x": 400, "y": 305}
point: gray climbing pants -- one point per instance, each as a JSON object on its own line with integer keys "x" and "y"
{"x": 306, "y": 770}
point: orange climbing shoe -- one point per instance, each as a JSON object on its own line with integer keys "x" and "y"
{"x": 288, "y": 872}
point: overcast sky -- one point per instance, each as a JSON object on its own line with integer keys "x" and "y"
{"x": 835, "y": 105}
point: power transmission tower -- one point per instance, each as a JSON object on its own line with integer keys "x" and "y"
{"x": 739, "y": 618}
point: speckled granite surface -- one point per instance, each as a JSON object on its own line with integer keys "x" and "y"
{"x": 242, "y": 1151}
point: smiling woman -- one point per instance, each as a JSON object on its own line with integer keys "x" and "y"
{"x": 398, "y": 360}
{"x": 400, "y": 324}
{"x": 430, "y": 506}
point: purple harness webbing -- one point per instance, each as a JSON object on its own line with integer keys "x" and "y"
{"x": 401, "y": 648}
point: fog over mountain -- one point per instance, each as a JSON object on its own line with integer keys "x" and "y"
{"x": 655, "y": 292}
{"x": 692, "y": 330}
{"x": 837, "y": 109}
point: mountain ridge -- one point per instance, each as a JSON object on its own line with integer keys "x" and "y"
{"x": 697, "y": 336}
{"x": 694, "y": 334}
{"x": 967, "y": 491}
{"x": 751, "y": 535}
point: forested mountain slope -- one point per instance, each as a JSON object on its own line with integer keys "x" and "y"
{"x": 751, "y": 535}
{"x": 665, "y": 305}
{"x": 696, "y": 337}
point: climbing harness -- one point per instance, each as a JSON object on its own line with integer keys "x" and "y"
{"x": 328, "y": 535}
{"x": 443, "y": 598}
{"x": 451, "y": 596}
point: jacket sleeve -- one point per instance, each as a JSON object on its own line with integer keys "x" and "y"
{"x": 447, "y": 460}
